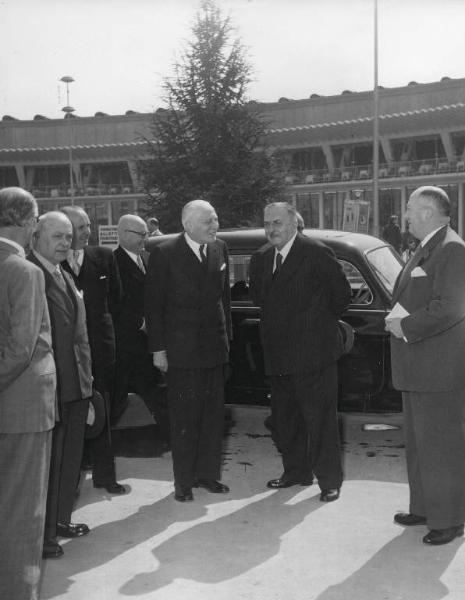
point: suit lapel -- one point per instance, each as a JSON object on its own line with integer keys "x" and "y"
{"x": 129, "y": 265}
{"x": 420, "y": 256}
{"x": 190, "y": 264}
{"x": 289, "y": 266}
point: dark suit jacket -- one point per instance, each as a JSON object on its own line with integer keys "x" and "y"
{"x": 300, "y": 306}
{"x": 432, "y": 359}
{"x": 100, "y": 283}
{"x": 130, "y": 337}
{"x": 188, "y": 307}
{"x": 69, "y": 334}
{"x": 27, "y": 368}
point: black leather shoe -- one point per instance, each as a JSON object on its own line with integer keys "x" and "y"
{"x": 409, "y": 519}
{"x": 184, "y": 495}
{"x": 215, "y": 487}
{"x": 52, "y": 549}
{"x": 281, "y": 482}
{"x": 437, "y": 537}
{"x": 72, "y": 530}
{"x": 329, "y": 495}
{"x": 112, "y": 488}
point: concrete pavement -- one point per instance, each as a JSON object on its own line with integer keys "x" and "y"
{"x": 256, "y": 543}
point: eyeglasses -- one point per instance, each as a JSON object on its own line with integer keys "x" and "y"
{"x": 141, "y": 234}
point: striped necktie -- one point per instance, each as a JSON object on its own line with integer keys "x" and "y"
{"x": 279, "y": 262}
{"x": 203, "y": 254}
{"x": 140, "y": 263}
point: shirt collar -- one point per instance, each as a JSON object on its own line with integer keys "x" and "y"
{"x": 286, "y": 248}
{"x": 131, "y": 255}
{"x": 430, "y": 235}
{"x": 51, "y": 268}
{"x": 79, "y": 257}
{"x": 193, "y": 245}
{"x": 15, "y": 245}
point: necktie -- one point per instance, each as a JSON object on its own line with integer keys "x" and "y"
{"x": 279, "y": 262}
{"x": 203, "y": 255}
{"x": 75, "y": 263}
{"x": 57, "y": 274}
{"x": 140, "y": 263}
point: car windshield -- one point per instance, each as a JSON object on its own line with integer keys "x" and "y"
{"x": 386, "y": 265}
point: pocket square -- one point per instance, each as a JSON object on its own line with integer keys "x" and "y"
{"x": 102, "y": 277}
{"x": 418, "y": 272}
{"x": 223, "y": 267}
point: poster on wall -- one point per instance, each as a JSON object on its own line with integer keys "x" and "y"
{"x": 356, "y": 215}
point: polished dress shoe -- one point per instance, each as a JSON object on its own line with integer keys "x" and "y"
{"x": 183, "y": 495}
{"x": 284, "y": 482}
{"x": 409, "y": 519}
{"x": 437, "y": 537}
{"x": 72, "y": 530}
{"x": 112, "y": 488}
{"x": 52, "y": 549}
{"x": 215, "y": 487}
{"x": 329, "y": 495}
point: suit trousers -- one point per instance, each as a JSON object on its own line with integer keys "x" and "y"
{"x": 304, "y": 409}
{"x": 196, "y": 409}
{"x": 434, "y": 426}
{"x": 24, "y": 467}
{"x": 65, "y": 464}
{"x": 100, "y": 448}
{"x": 136, "y": 373}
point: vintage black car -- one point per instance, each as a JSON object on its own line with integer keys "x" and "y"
{"x": 371, "y": 267}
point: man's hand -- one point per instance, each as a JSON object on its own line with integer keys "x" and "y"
{"x": 394, "y": 326}
{"x": 160, "y": 360}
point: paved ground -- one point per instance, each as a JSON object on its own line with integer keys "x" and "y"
{"x": 256, "y": 543}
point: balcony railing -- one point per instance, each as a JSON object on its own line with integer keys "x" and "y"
{"x": 418, "y": 168}
{"x": 64, "y": 191}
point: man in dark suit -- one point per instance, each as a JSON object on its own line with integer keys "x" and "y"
{"x": 427, "y": 324}
{"x": 135, "y": 371}
{"x": 95, "y": 273}
{"x": 302, "y": 291}
{"x": 51, "y": 242}
{"x": 27, "y": 400}
{"x": 189, "y": 326}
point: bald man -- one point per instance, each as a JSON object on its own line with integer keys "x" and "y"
{"x": 51, "y": 242}
{"x": 135, "y": 371}
{"x": 189, "y": 326}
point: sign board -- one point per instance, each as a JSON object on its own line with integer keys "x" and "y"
{"x": 356, "y": 215}
{"x": 108, "y": 235}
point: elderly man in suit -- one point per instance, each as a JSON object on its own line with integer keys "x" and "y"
{"x": 427, "y": 324}
{"x": 189, "y": 326}
{"x": 27, "y": 400}
{"x": 135, "y": 371}
{"x": 302, "y": 291}
{"x": 51, "y": 242}
{"x": 95, "y": 274}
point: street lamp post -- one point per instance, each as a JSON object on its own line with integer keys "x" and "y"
{"x": 68, "y": 110}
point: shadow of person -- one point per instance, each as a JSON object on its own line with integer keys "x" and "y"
{"x": 107, "y": 541}
{"x": 247, "y": 535}
{"x": 403, "y": 568}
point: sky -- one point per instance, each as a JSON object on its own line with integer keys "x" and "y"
{"x": 119, "y": 51}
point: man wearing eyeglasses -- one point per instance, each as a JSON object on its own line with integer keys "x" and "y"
{"x": 134, "y": 368}
{"x": 95, "y": 273}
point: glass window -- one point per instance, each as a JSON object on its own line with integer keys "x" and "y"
{"x": 239, "y": 276}
{"x": 386, "y": 265}
{"x": 361, "y": 293}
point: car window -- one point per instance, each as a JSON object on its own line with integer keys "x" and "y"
{"x": 239, "y": 280}
{"x": 361, "y": 292}
{"x": 239, "y": 276}
{"x": 386, "y": 265}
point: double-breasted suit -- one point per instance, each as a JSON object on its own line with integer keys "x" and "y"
{"x": 98, "y": 279}
{"x": 74, "y": 386}
{"x": 300, "y": 308}
{"x": 428, "y": 366}
{"x": 188, "y": 316}
{"x": 27, "y": 416}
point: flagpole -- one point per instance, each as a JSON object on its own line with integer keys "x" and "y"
{"x": 375, "y": 127}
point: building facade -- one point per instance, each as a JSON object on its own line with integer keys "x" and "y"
{"x": 326, "y": 146}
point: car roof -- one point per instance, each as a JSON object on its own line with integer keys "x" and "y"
{"x": 249, "y": 239}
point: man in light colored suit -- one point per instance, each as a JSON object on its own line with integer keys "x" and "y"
{"x": 51, "y": 242}
{"x": 27, "y": 400}
{"x": 427, "y": 324}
